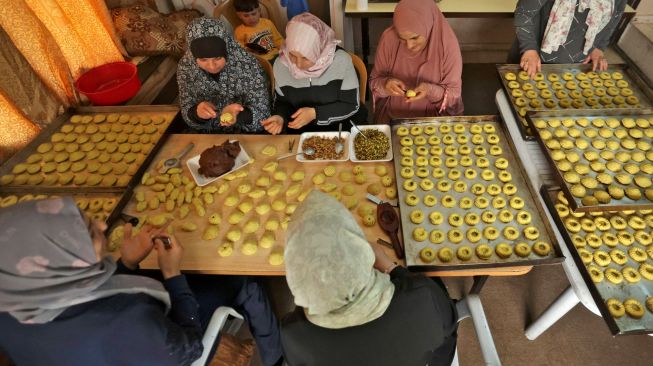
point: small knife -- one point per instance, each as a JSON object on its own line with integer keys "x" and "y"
{"x": 379, "y": 201}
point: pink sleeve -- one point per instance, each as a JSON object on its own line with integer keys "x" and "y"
{"x": 452, "y": 70}
{"x": 382, "y": 66}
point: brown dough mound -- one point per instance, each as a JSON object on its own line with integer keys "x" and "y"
{"x": 218, "y": 160}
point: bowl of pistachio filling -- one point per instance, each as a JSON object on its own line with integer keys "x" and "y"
{"x": 371, "y": 144}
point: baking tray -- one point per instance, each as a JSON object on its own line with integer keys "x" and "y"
{"x": 524, "y": 190}
{"x": 111, "y": 216}
{"x": 576, "y": 204}
{"x": 604, "y": 290}
{"x": 60, "y": 121}
{"x": 636, "y": 84}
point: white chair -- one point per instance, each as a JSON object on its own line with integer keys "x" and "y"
{"x": 470, "y": 306}
{"x": 217, "y": 322}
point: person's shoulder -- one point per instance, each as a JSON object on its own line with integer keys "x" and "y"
{"x": 265, "y": 22}
{"x": 341, "y": 57}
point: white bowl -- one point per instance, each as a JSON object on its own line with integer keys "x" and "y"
{"x": 383, "y": 128}
{"x": 194, "y": 165}
{"x": 305, "y": 135}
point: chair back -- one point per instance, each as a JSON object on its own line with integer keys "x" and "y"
{"x": 361, "y": 71}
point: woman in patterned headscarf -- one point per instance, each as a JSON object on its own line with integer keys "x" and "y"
{"x": 356, "y": 306}
{"x": 564, "y": 32}
{"x": 222, "y": 88}
{"x": 63, "y": 301}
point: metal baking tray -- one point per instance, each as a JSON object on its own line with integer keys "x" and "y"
{"x": 412, "y": 247}
{"x": 636, "y": 84}
{"x": 605, "y": 290}
{"x": 576, "y": 204}
{"x": 110, "y": 217}
{"x": 56, "y": 126}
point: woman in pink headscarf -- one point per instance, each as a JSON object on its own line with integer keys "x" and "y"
{"x": 316, "y": 85}
{"x": 418, "y": 66}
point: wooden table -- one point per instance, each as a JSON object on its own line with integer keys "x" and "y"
{"x": 450, "y": 9}
{"x": 201, "y": 256}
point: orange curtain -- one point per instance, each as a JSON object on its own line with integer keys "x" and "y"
{"x": 61, "y": 39}
{"x": 16, "y": 129}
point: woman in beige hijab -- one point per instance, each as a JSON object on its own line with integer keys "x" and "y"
{"x": 354, "y": 305}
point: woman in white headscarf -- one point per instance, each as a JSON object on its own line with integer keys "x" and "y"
{"x": 63, "y": 301}
{"x": 355, "y": 306}
{"x": 316, "y": 86}
{"x": 564, "y": 32}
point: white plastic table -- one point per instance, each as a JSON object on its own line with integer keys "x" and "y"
{"x": 539, "y": 173}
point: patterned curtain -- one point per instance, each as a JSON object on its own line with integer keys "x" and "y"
{"x": 60, "y": 40}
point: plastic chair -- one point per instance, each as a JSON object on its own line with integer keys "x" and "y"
{"x": 217, "y": 322}
{"x": 361, "y": 70}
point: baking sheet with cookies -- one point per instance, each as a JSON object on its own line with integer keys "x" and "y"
{"x": 96, "y": 148}
{"x": 237, "y": 224}
{"x": 614, "y": 253}
{"x": 97, "y": 206}
{"x": 572, "y": 86}
{"x": 463, "y": 197}
{"x": 603, "y": 160}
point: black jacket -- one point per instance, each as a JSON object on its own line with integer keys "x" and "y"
{"x": 418, "y": 328}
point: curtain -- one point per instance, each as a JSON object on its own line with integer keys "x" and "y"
{"x": 17, "y": 130}
{"x": 59, "y": 40}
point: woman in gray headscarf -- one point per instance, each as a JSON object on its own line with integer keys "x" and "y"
{"x": 63, "y": 302}
{"x": 355, "y": 306}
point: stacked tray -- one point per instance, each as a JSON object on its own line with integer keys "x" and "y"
{"x": 614, "y": 253}
{"x": 463, "y": 199}
{"x": 602, "y": 159}
{"x": 572, "y": 86}
{"x": 88, "y": 151}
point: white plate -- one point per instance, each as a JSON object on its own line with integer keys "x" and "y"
{"x": 194, "y": 165}
{"x": 383, "y": 128}
{"x": 305, "y": 135}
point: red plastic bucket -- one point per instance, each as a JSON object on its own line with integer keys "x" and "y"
{"x": 110, "y": 84}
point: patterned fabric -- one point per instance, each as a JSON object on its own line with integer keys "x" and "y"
{"x": 143, "y": 31}
{"x": 308, "y": 35}
{"x": 329, "y": 266}
{"x": 562, "y": 15}
{"x": 241, "y": 81}
{"x": 61, "y": 39}
{"x": 532, "y": 19}
{"x": 49, "y": 263}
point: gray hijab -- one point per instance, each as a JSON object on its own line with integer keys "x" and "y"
{"x": 48, "y": 263}
{"x": 329, "y": 266}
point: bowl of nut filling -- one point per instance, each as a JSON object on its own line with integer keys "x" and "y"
{"x": 370, "y": 144}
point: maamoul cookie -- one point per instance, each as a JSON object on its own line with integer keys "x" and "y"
{"x": 464, "y": 253}
{"x": 634, "y": 308}
{"x": 483, "y": 251}
{"x": 419, "y": 234}
{"x": 445, "y": 254}
{"x": 613, "y": 276}
{"x": 542, "y": 248}
{"x": 427, "y": 255}
{"x": 616, "y": 308}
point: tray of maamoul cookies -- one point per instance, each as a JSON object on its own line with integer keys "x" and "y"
{"x": 614, "y": 254}
{"x": 572, "y": 86}
{"x": 89, "y": 148}
{"x": 237, "y": 223}
{"x": 97, "y": 206}
{"x": 603, "y": 160}
{"x": 463, "y": 199}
